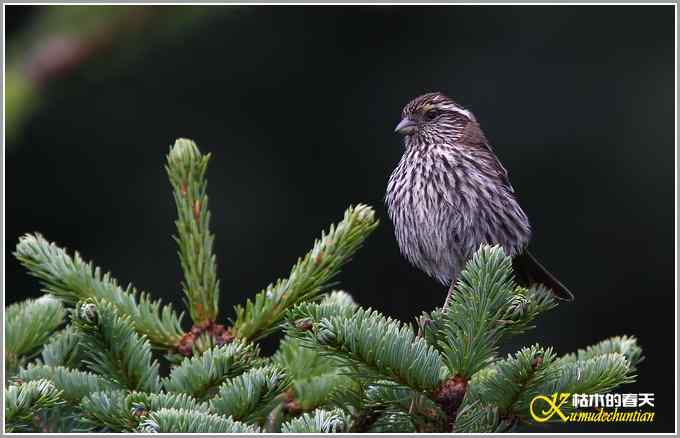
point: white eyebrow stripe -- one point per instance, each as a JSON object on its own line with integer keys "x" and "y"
{"x": 466, "y": 113}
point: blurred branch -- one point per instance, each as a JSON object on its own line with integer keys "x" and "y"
{"x": 61, "y": 40}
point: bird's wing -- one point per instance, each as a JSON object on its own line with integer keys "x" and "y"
{"x": 502, "y": 171}
{"x": 474, "y": 137}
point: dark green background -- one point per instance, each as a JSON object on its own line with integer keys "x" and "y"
{"x": 298, "y": 104}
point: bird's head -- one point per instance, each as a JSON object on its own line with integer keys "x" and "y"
{"x": 433, "y": 116}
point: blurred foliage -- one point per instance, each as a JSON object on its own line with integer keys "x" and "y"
{"x": 61, "y": 40}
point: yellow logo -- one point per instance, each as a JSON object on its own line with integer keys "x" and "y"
{"x": 553, "y": 403}
{"x": 542, "y": 407}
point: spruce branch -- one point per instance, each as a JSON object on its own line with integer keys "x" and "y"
{"x": 72, "y": 279}
{"x": 351, "y": 399}
{"x": 486, "y": 305}
{"x": 189, "y": 421}
{"x": 309, "y": 277}
{"x": 595, "y": 375}
{"x": 200, "y": 376}
{"x": 23, "y": 401}
{"x": 524, "y": 307}
{"x": 28, "y": 325}
{"x": 319, "y": 378}
{"x": 377, "y": 347}
{"x": 476, "y": 417}
{"x": 60, "y": 419}
{"x": 315, "y": 392}
{"x": 73, "y": 384}
{"x": 119, "y": 411}
{"x": 524, "y": 371}
{"x": 626, "y": 345}
{"x": 251, "y": 396}
{"x": 318, "y": 421}
{"x": 112, "y": 347}
{"x": 314, "y": 376}
{"x": 203, "y": 337}
{"x": 301, "y": 362}
{"x": 338, "y": 303}
{"x": 501, "y": 395}
{"x": 400, "y": 406}
{"x": 392, "y": 422}
{"x": 186, "y": 169}
{"x": 470, "y": 330}
{"x": 64, "y": 349}
{"x": 340, "y": 299}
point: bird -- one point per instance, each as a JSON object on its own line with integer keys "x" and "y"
{"x": 449, "y": 194}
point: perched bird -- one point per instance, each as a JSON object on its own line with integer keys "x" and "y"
{"x": 449, "y": 194}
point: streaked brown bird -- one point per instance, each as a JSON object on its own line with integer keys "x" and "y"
{"x": 449, "y": 194}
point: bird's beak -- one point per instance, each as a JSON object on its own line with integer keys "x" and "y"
{"x": 406, "y": 126}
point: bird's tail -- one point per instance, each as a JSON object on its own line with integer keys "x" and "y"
{"x": 529, "y": 271}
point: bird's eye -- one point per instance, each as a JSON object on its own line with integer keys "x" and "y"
{"x": 432, "y": 114}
